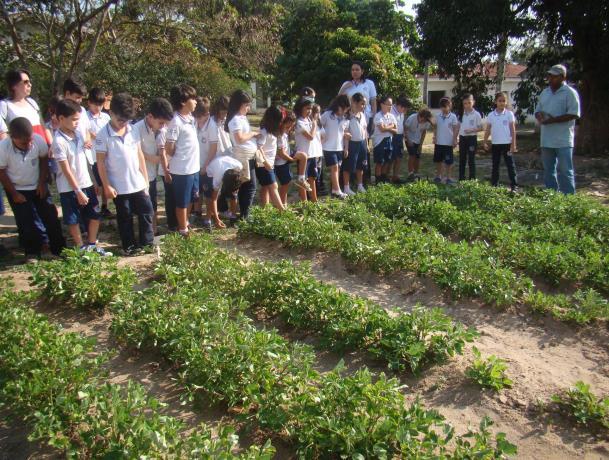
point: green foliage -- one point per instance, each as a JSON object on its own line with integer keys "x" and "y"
{"x": 83, "y": 279}
{"x": 321, "y": 38}
{"x": 584, "y": 406}
{"x": 489, "y": 372}
{"x": 52, "y": 380}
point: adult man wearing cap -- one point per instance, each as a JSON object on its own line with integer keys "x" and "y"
{"x": 556, "y": 112}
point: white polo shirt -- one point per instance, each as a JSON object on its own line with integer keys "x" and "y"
{"x": 500, "y": 123}
{"x": 224, "y": 143}
{"x": 22, "y": 167}
{"x": 218, "y": 166}
{"x": 3, "y": 127}
{"x": 72, "y": 150}
{"x": 382, "y": 119}
{"x": 315, "y": 147}
{"x": 366, "y": 89}
{"x": 445, "y": 125}
{"x": 471, "y": 120}
{"x": 414, "y": 129}
{"x": 302, "y": 143}
{"x": 207, "y": 135}
{"x": 240, "y": 123}
{"x": 334, "y": 127}
{"x": 358, "y": 127}
{"x": 268, "y": 143}
{"x": 97, "y": 122}
{"x": 122, "y": 159}
{"x": 283, "y": 143}
{"x": 399, "y": 118}
{"x": 182, "y": 131}
{"x": 151, "y": 142}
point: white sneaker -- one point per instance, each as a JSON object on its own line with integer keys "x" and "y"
{"x": 349, "y": 192}
{"x": 360, "y": 188}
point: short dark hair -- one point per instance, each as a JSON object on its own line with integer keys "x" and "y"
{"x": 288, "y": 117}
{"x": 20, "y": 128}
{"x": 122, "y": 106}
{"x": 340, "y": 101}
{"x": 180, "y": 94}
{"x": 271, "y": 120}
{"x": 66, "y": 108}
{"x": 97, "y": 96}
{"x": 202, "y": 107}
{"x": 160, "y": 108}
{"x": 72, "y": 85}
{"x": 220, "y": 105}
{"x": 231, "y": 181}
{"x": 13, "y": 77}
{"x": 445, "y": 102}
{"x": 403, "y": 101}
{"x": 52, "y": 106}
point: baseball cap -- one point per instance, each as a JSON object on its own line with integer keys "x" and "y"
{"x": 558, "y": 69}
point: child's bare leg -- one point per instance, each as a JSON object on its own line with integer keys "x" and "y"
{"x": 74, "y": 231}
{"x": 302, "y": 193}
{"x": 273, "y": 194}
{"x": 264, "y": 195}
{"x": 359, "y": 175}
{"x": 334, "y": 178}
{"x": 378, "y": 170}
{"x": 412, "y": 160}
{"x": 301, "y": 159}
{"x": 283, "y": 193}
{"x": 447, "y": 170}
{"x": 439, "y": 169}
{"x": 346, "y": 179}
{"x": 92, "y": 231}
{"x": 313, "y": 192}
{"x": 397, "y": 163}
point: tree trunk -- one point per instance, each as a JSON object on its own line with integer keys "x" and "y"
{"x": 503, "y": 46}
{"x": 592, "y": 133}
{"x": 425, "y": 82}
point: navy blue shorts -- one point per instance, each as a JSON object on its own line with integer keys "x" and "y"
{"x": 443, "y": 153}
{"x": 206, "y": 186}
{"x": 96, "y": 175}
{"x": 2, "y": 210}
{"x": 73, "y": 213}
{"x": 152, "y": 192}
{"x": 283, "y": 173}
{"x": 333, "y": 157}
{"x": 382, "y": 152}
{"x": 413, "y": 150}
{"x": 265, "y": 177}
{"x": 357, "y": 156}
{"x": 397, "y": 144}
{"x": 185, "y": 189}
{"x": 311, "y": 169}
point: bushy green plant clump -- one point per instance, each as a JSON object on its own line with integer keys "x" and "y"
{"x": 584, "y": 406}
{"x": 489, "y": 372}
{"x": 50, "y": 379}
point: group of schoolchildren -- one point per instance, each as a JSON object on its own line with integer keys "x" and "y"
{"x": 209, "y": 157}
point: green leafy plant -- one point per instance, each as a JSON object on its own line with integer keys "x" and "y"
{"x": 489, "y": 372}
{"x": 85, "y": 280}
{"x": 584, "y": 406}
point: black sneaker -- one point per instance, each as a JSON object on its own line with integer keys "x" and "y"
{"x": 132, "y": 251}
{"x": 106, "y": 214}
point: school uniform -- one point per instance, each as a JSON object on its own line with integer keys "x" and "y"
{"x": 397, "y": 141}
{"x": 124, "y": 175}
{"x": 358, "y": 144}
{"x": 501, "y": 139}
{"x": 414, "y": 133}
{"x": 152, "y": 142}
{"x": 207, "y": 135}
{"x": 96, "y": 123}
{"x": 443, "y": 149}
{"x": 36, "y": 219}
{"x": 184, "y": 164}
{"x": 215, "y": 173}
{"x": 381, "y": 141}
{"x": 282, "y": 166}
{"x": 334, "y": 130}
{"x": 267, "y": 142}
{"x": 316, "y": 155}
{"x": 244, "y": 152}
{"x": 468, "y": 143}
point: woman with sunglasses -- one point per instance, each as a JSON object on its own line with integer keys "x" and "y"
{"x": 20, "y": 104}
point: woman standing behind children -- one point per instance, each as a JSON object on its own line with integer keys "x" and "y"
{"x": 385, "y": 126}
{"x": 270, "y": 130}
{"x": 334, "y": 124}
{"x": 501, "y": 127}
{"x": 357, "y": 149}
{"x": 445, "y": 139}
{"x": 471, "y": 125}
{"x": 244, "y": 144}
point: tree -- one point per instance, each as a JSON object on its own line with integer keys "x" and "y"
{"x": 321, "y": 37}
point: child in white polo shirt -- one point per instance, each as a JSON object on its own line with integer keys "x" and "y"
{"x": 76, "y": 191}
{"x": 385, "y": 127}
{"x": 122, "y": 168}
{"x": 151, "y": 132}
{"x": 356, "y": 151}
{"x": 446, "y": 133}
{"x": 415, "y": 129}
{"x": 97, "y": 120}
{"x": 23, "y": 173}
{"x": 470, "y": 125}
{"x": 182, "y": 149}
{"x": 397, "y": 141}
{"x": 223, "y": 174}
{"x": 501, "y": 127}
{"x": 334, "y": 123}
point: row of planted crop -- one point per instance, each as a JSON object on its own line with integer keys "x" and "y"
{"x": 402, "y": 339}
{"x": 369, "y": 238}
{"x": 202, "y": 328}
{"x": 52, "y": 380}
{"x": 554, "y": 249}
